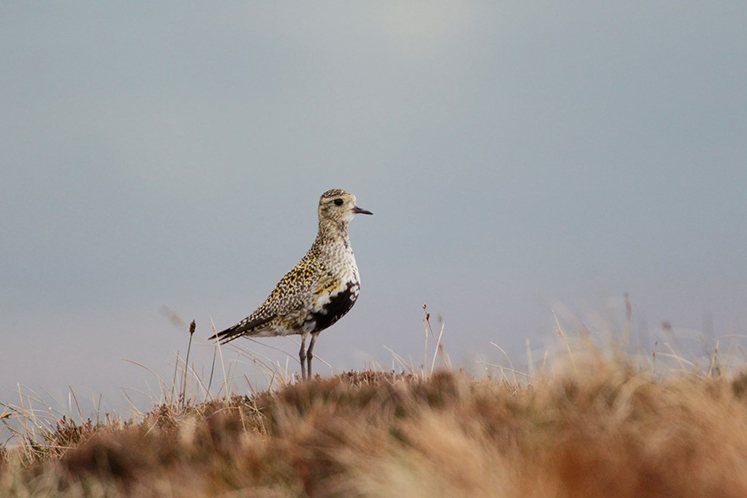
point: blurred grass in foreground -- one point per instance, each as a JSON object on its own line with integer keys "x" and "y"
{"x": 600, "y": 427}
{"x": 587, "y": 421}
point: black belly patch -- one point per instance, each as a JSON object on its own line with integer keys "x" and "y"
{"x": 337, "y": 307}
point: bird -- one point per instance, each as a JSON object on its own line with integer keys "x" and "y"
{"x": 318, "y": 291}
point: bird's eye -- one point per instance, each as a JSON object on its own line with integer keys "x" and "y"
{"x": 338, "y": 202}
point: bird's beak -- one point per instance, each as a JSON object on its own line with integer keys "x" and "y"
{"x": 358, "y": 210}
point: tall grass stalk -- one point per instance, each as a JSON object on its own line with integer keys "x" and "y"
{"x": 192, "y": 327}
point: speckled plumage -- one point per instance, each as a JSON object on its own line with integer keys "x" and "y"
{"x": 318, "y": 291}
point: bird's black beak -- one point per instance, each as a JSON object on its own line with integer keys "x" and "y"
{"x": 358, "y": 210}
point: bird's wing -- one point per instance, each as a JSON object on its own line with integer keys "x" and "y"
{"x": 287, "y": 298}
{"x": 326, "y": 284}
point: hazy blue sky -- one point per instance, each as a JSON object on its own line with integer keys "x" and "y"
{"x": 515, "y": 154}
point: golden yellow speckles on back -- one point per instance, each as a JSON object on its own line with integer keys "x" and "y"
{"x": 319, "y": 290}
{"x": 292, "y": 284}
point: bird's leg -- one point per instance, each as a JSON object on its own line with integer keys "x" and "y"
{"x": 302, "y": 356}
{"x": 310, "y": 354}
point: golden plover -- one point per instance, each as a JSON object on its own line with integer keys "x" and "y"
{"x": 318, "y": 291}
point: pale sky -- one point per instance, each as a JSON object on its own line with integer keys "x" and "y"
{"x": 520, "y": 157}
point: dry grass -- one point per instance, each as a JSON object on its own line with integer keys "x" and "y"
{"x": 590, "y": 425}
{"x": 600, "y": 428}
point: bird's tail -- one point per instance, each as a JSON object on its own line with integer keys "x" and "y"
{"x": 244, "y": 327}
{"x": 227, "y": 335}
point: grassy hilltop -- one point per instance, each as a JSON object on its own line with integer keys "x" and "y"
{"x": 598, "y": 428}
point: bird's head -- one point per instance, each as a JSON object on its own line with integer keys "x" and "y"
{"x": 338, "y": 207}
